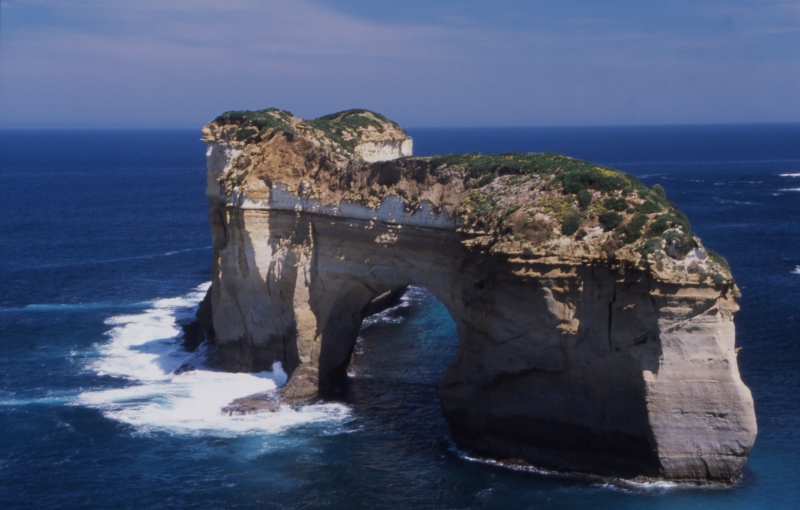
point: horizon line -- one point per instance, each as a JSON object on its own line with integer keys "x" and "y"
{"x": 488, "y": 126}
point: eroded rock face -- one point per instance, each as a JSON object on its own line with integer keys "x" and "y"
{"x": 595, "y": 331}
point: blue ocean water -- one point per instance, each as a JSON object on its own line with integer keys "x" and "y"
{"x": 105, "y": 243}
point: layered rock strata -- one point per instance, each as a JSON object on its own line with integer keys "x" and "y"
{"x": 595, "y": 330}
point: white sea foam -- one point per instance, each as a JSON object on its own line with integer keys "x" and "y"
{"x": 790, "y": 189}
{"x": 789, "y": 175}
{"x": 68, "y": 307}
{"x": 734, "y": 202}
{"x": 610, "y": 483}
{"x": 171, "y": 389}
{"x": 393, "y": 314}
{"x": 92, "y": 262}
{"x": 796, "y": 270}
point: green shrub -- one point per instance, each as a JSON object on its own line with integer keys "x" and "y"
{"x": 584, "y": 198}
{"x": 245, "y": 134}
{"x": 574, "y": 175}
{"x": 484, "y": 180}
{"x": 335, "y": 125}
{"x": 256, "y": 123}
{"x": 352, "y": 119}
{"x": 648, "y": 207}
{"x": 633, "y": 229}
{"x": 610, "y": 220}
{"x": 615, "y": 204}
{"x": 591, "y": 177}
{"x": 658, "y": 190}
{"x": 651, "y": 246}
{"x": 479, "y": 165}
{"x": 572, "y": 222}
{"x": 679, "y": 244}
{"x": 664, "y": 222}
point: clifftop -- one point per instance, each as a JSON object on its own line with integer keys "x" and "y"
{"x": 527, "y": 206}
{"x": 349, "y": 133}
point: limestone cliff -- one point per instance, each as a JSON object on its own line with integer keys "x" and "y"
{"x": 595, "y": 330}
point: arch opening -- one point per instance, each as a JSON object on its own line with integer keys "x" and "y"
{"x": 360, "y": 313}
{"x": 400, "y": 354}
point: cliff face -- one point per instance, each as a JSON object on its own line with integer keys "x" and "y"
{"x": 595, "y": 331}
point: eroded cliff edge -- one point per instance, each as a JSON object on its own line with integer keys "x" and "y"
{"x": 595, "y": 330}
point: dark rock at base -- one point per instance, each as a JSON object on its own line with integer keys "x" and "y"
{"x": 252, "y": 404}
{"x": 302, "y": 388}
{"x": 201, "y": 328}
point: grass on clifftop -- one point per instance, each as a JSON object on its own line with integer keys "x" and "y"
{"x": 353, "y": 119}
{"x": 256, "y": 123}
{"x": 575, "y": 174}
{"x": 342, "y": 128}
{"x": 577, "y": 194}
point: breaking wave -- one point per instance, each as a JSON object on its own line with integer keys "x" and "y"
{"x": 173, "y": 390}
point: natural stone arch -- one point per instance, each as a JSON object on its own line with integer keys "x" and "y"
{"x": 352, "y": 262}
{"x": 551, "y": 360}
{"x": 576, "y": 351}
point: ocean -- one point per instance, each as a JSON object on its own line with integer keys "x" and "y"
{"x": 105, "y": 250}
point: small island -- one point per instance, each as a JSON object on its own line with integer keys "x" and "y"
{"x": 595, "y": 330}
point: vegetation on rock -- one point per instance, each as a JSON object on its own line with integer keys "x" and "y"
{"x": 529, "y": 204}
{"x": 343, "y": 129}
{"x": 554, "y": 195}
{"x": 257, "y": 124}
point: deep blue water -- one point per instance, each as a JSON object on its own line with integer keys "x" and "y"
{"x": 104, "y": 242}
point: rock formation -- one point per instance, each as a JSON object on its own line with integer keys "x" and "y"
{"x": 595, "y": 330}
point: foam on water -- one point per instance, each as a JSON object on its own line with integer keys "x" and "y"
{"x": 734, "y": 202}
{"x": 113, "y": 260}
{"x": 394, "y": 314}
{"x": 171, "y": 389}
{"x": 789, "y": 175}
{"x": 796, "y": 270}
{"x": 609, "y": 483}
{"x": 67, "y": 307}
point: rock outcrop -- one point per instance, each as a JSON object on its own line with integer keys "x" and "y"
{"x": 595, "y": 330}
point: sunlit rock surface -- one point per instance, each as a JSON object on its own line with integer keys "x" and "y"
{"x": 595, "y": 330}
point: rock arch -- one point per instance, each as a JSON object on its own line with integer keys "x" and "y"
{"x": 568, "y": 358}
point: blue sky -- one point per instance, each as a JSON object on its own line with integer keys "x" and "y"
{"x": 179, "y": 63}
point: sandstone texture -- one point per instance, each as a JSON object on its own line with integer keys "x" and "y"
{"x": 595, "y": 330}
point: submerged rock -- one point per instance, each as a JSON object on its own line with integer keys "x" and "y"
{"x": 595, "y": 330}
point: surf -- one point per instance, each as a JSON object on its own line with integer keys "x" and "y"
{"x": 170, "y": 389}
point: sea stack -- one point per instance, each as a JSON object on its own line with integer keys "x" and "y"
{"x": 595, "y": 330}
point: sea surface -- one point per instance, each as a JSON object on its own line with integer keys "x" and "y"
{"x": 105, "y": 248}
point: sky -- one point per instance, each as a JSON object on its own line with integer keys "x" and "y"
{"x": 180, "y": 63}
